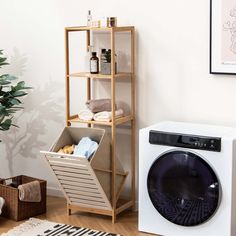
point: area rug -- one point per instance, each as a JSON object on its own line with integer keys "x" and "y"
{"x": 37, "y": 227}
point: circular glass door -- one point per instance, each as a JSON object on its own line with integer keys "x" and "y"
{"x": 183, "y": 188}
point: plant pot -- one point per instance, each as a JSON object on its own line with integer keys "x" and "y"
{"x": 105, "y": 68}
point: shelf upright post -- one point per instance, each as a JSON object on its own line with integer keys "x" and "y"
{"x": 133, "y": 123}
{"x": 113, "y": 131}
{"x": 67, "y": 82}
{"x": 88, "y": 32}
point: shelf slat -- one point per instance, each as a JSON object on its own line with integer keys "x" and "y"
{"x": 123, "y": 205}
{"x": 85, "y": 28}
{"x": 99, "y": 76}
{"x": 118, "y": 121}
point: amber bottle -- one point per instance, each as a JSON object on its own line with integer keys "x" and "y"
{"x": 94, "y": 64}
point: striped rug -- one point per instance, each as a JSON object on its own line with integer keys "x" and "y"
{"x": 37, "y": 227}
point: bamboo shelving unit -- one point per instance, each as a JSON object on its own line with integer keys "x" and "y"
{"x": 117, "y": 205}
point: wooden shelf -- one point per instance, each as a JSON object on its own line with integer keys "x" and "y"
{"x": 86, "y": 28}
{"x": 117, "y": 205}
{"x": 118, "y": 121}
{"x": 100, "y": 76}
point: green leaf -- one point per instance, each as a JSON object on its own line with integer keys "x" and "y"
{"x": 21, "y": 84}
{"x": 8, "y": 77}
{"x": 3, "y": 59}
{"x": 3, "y": 63}
{"x": 19, "y": 93}
{"x": 5, "y": 125}
{"x": 15, "y": 101}
{"x": 4, "y": 82}
{"x": 1, "y": 118}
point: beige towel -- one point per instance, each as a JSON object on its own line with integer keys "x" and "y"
{"x": 98, "y": 105}
{"x": 30, "y": 192}
{"x": 2, "y": 202}
{"x": 107, "y": 115}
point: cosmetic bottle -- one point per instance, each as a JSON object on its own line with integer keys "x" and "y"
{"x": 94, "y": 64}
{"x": 89, "y": 18}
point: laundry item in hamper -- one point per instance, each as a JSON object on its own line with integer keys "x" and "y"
{"x": 107, "y": 115}
{"x": 2, "y": 202}
{"x": 98, "y": 105}
{"x": 68, "y": 149}
{"x": 30, "y": 192}
{"x": 86, "y": 147}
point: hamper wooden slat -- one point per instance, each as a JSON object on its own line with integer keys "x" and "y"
{"x": 85, "y": 183}
{"x": 78, "y": 190}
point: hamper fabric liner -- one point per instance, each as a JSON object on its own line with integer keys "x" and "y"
{"x": 15, "y": 209}
{"x": 85, "y": 183}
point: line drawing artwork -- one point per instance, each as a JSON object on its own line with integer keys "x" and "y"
{"x": 231, "y": 27}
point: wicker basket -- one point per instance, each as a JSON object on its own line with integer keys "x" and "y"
{"x": 14, "y": 208}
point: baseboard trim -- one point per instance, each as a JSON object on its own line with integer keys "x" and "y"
{"x": 55, "y": 192}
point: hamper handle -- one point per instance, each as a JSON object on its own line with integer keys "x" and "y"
{"x": 74, "y": 157}
{"x": 8, "y": 178}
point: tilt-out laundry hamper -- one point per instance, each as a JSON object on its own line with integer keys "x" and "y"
{"x": 86, "y": 184}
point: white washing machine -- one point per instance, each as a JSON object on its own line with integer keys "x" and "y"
{"x": 187, "y": 180}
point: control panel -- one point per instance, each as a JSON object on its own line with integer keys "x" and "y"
{"x": 185, "y": 141}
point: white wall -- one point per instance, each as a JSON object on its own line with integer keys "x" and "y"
{"x": 173, "y": 80}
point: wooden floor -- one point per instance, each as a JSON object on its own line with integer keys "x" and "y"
{"x": 127, "y": 222}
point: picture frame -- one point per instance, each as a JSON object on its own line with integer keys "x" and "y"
{"x": 222, "y": 37}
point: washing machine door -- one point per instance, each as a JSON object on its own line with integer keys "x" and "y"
{"x": 183, "y": 188}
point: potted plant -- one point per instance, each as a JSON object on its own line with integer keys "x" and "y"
{"x": 11, "y": 94}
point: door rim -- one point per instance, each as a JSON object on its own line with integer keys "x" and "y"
{"x": 220, "y": 194}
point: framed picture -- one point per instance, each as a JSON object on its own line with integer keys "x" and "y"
{"x": 222, "y": 37}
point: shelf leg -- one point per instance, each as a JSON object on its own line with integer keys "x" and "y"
{"x": 67, "y": 82}
{"x": 113, "y": 216}
{"x": 133, "y": 125}
{"x": 68, "y": 210}
{"x": 113, "y": 128}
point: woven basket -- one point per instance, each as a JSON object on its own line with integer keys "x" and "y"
{"x": 14, "y": 208}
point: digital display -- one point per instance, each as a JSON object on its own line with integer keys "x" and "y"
{"x": 185, "y": 140}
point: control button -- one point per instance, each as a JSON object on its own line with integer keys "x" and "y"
{"x": 212, "y": 141}
{"x": 212, "y": 146}
{"x": 204, "y": 145}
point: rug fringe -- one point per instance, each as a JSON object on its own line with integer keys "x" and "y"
{"x": 24, "y": 227}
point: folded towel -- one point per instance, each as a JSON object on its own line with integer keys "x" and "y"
{"x": 86, "y": 115}
{"x": 98, "y": 105}
{"x": 85, "y": 148}
{"x": 2, "y": 202}
{"x": 107, "y": 115}
{"x": 30, "y": 192}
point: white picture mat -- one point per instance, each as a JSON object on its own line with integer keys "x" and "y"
{"x": 217, "y": 66}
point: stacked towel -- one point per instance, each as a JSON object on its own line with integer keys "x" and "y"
{"x": 30, "y": 192}
{"x": 86, "y": 115}
{"x": 107, "y": 115}
{"x": 98, "y": 105}
{"x": 85, "y": 148}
